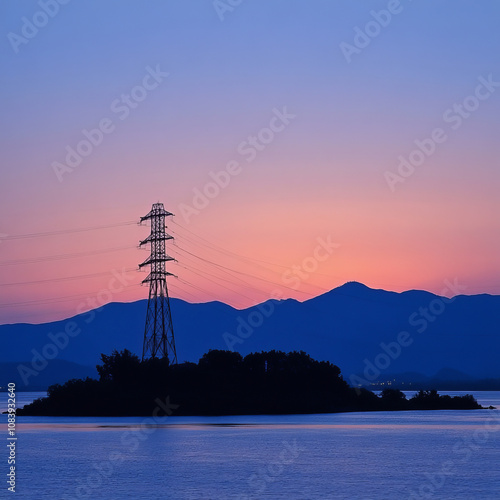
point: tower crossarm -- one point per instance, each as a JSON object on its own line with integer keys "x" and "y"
{"x": 157, "y": 275}
{"x": 156, "y": 237}
{"x": 155, "y": 212}
{"x": 152, "y": 259}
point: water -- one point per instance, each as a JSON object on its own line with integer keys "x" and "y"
{"x": 365, "y": 456}
{"x": 22, "y": 398}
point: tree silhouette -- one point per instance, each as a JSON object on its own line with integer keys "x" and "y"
{"x": 224, "y": 383}
{"x": 119, "y": 367}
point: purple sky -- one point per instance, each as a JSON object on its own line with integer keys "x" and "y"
{"x": 330, "y": 120}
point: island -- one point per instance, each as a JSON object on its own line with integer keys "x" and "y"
{"x": 225, "y": 383}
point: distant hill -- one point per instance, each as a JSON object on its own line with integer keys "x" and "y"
{"x": 355, "y": 327}
{"x": 57, "y": 371}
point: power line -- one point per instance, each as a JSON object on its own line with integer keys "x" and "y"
{"x": 212, "y": 281}
{"x": 66, "y": 278}
{"x": 280, "y": 285}
{"x": 250, "y": 260}
{"x": 243, "y": 273}
{"x": 65, "y": 231}
{"x": 246, "y": 285}
{"x": 63, "y": 256}
{"x": 217, "y": 248}
{"x": 54, "y": 300}
{"x": 200, "y": 258}
{"x": 182, "y": 290}
{"x": 196, "y": 287}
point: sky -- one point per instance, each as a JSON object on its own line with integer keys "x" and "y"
{"x": 300, "y": 145}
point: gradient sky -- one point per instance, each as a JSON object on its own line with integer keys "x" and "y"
{"x": 323, "y": 175}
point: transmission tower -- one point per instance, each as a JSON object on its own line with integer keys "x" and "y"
{"x": 159, "y": 333}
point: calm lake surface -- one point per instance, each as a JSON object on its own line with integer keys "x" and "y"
{"x": 365, "y": 456}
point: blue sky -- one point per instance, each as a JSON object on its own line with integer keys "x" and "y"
{"x": 325, "y": 173}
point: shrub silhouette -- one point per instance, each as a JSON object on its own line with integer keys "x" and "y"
{"x": 223, "y": 383}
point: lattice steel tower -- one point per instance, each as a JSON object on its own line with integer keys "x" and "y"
{"x": 159, "y": 333}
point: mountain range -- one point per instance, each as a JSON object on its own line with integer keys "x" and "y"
{"x": 370, "y": 334}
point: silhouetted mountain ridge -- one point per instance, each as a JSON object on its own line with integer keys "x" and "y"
{"x": 347, "y": 326}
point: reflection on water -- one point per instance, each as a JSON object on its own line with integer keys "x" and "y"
{"x": 376, "y": 455}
